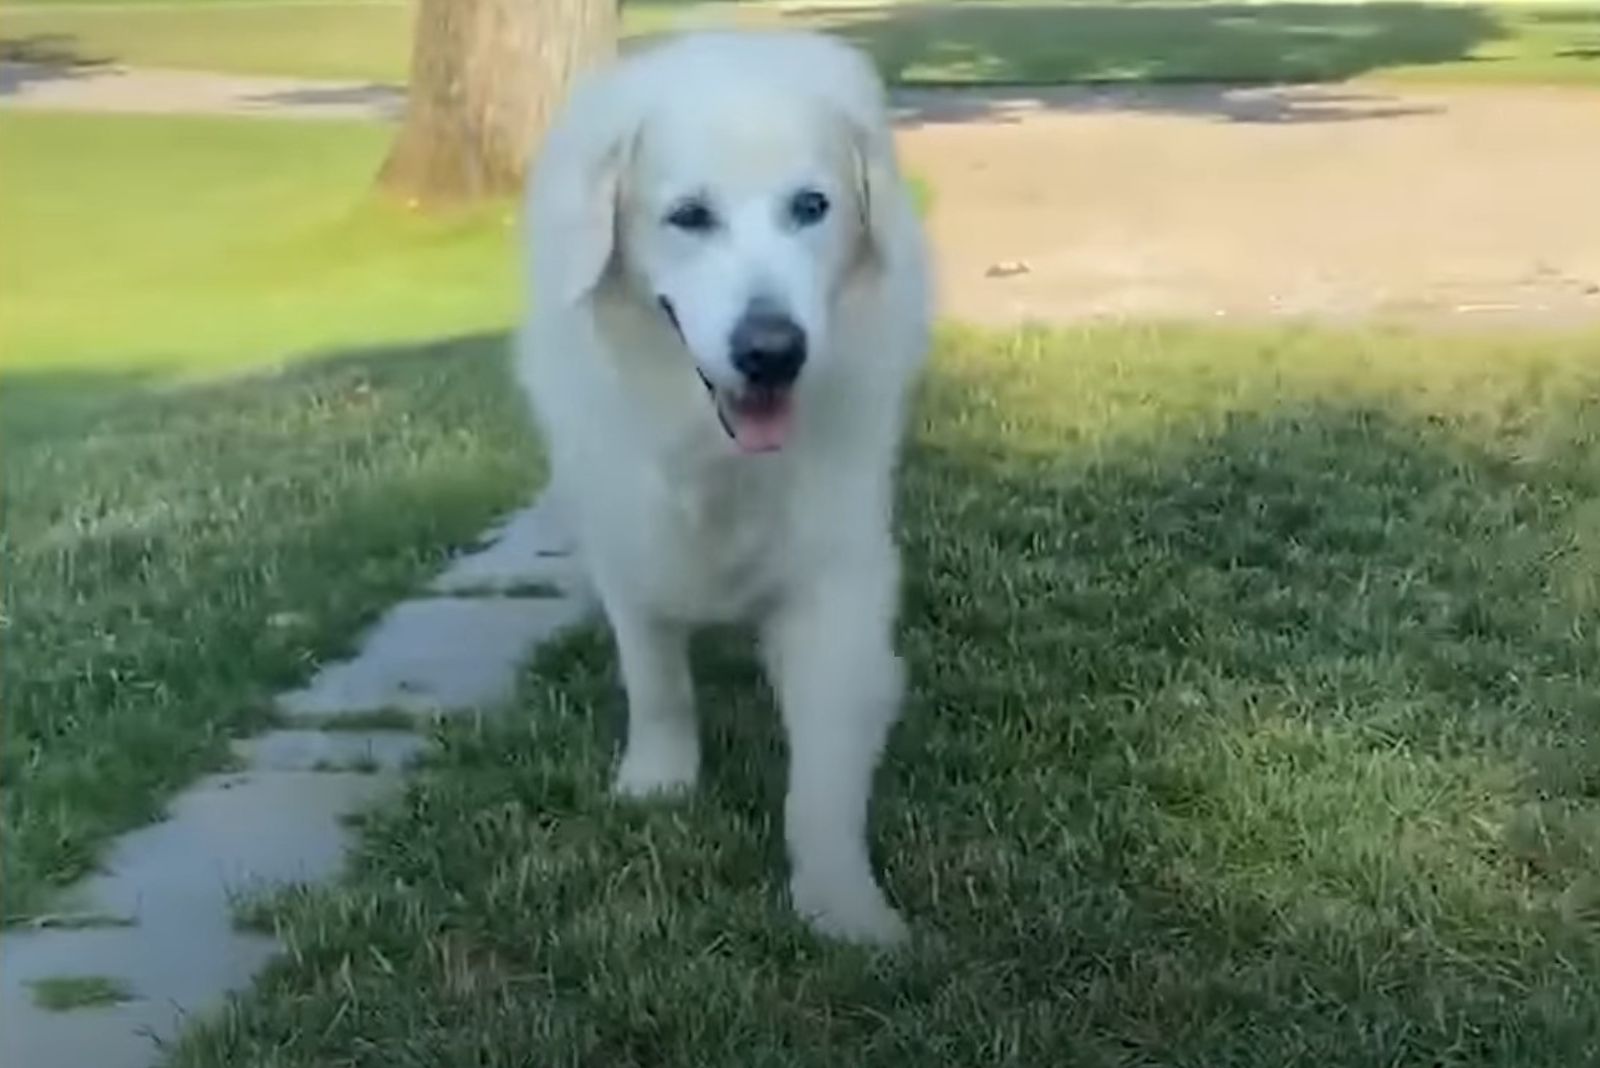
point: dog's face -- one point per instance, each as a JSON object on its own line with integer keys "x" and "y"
{"x": 737, "y": 221}
{"x": 740, "y": 221}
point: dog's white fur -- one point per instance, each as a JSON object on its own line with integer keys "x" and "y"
{"x": 677, "y": 528}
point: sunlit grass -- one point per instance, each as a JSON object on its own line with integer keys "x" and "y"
{"x": 154, "y": 529}
{"x": 208, "y": 243}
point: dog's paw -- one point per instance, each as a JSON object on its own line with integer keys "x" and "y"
{"x": 859, "y": 915}
{"x": 655, "y": 774}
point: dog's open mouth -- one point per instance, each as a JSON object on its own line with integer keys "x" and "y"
{"x": 757, "y": 418}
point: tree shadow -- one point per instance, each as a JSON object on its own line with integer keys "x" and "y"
{"x": 1204, "y": 736}
{"x": 1294, "y": 520}
{"x": 1566, "y": 18}
{"x": 39, "y": 402}
{"x": 1587, "y": 49}
{"x": 1382, "y": 581}
{"x": 57, "y": 49}
{"x": 372, "y": 99}
{"x": 1000, "y": 44}
{"x": 1161, "y": 42}
{"x": 43, "y": 57}
{"x": 1288, "y": 105}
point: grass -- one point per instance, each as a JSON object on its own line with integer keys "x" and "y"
{"x": 151, "y": 532}
{"x": 79, "y": 992}
{"x": 1254, "y": 723}
{"x": 977, "y": 41}
{"x": 194, "y": 512}
{"x": 210, "y": 242}
{"x": 362, "y": 41}
{"x": 1045, "y": 43}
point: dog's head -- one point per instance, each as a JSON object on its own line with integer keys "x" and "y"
{"x": 735, "y": 198}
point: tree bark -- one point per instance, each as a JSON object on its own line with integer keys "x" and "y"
{"x": 486, "y": 77}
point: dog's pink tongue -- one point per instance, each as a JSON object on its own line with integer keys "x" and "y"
{"x": 763, "y": 426}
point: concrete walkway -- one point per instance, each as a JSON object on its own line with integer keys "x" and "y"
{"x": 118, "y": 89}
{"x": 158, "y": 924}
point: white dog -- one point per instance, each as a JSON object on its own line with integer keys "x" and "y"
{"x": 729, "y": 302}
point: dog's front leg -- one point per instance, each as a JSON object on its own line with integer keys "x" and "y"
{"x": 662, "y": 752}
{"x": 839, "y": 685}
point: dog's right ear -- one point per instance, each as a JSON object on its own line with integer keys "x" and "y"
{"x": 573, "y": 201}
{"x": 590, "y": 232}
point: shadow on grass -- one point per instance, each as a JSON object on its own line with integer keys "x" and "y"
{"x": 1238, "y": 736}
{"x": 1158, "y": 44}
{"x": 1296, "y": 105}
{"x": 1208, "y": 738}
{"x": 153, "y": 530}
{"x": 54, "y": 49}
{"x": 1576, "y": 17}
{"x": 373, "y": 98}
{"x": 36, "y": 403}
{"x": 1030, "y": 44}
{"x": 42, "y": 57}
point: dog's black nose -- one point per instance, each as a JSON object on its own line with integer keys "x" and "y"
{"x": 768, "y": 348}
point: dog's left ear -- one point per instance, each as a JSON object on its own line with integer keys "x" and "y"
{"x": 877, "y": 180}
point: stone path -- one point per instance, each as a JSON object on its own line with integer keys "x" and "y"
{"x": 1467, "y": 206}
{"x": 158, "y": 922}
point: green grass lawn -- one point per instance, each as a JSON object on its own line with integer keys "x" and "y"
{"x": 190, "y": 242}
{"x": 370, "y": 41}
{"x": 1255, "y": 721}
{"x": 179, "y": 543}
{"x": 977, "y": 41}
{"x": 1256, "y": 705}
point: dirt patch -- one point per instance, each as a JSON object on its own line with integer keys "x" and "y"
{"x": 1328, "y": 203}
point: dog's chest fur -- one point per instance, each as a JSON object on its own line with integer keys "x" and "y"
{"x": 728, "y": 525}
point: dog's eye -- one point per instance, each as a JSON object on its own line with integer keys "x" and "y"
{"x": 695, "y": 216}
{"x": 808, "y": 207}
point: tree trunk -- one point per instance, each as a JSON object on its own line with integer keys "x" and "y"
{"x": 486, "y": 76}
